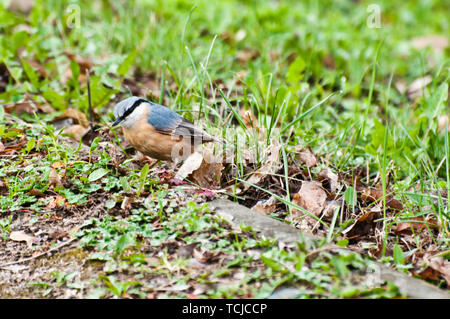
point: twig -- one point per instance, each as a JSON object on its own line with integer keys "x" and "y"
{"x": 91, "y": 113}
{"x": 39, "y": 255}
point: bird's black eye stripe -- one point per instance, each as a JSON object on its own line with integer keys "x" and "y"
{"x": 132, "y": 108}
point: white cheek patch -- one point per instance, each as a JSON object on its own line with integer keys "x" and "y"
{"x": 137, "y": 114}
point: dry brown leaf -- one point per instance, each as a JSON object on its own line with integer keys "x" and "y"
{"x": 374, "y": 194}
{"x": 361, "y": 226}
{"x": 56, "y": 202}
{"x": 35, "y": 192}
{"x": 2, "y": 146}
{"x": 227, "y": 36}
{"x": 266, "y": 206}
{"x": 330, "y": 209}
{"x": 190, "y": 164}
{"x": 441, "y": 265}
{"x": 246, "y": 55}
{"x": 54, "y": 179}
{"x": 24, "y": 106}
{"x": 24, "y": 6}
{"x": 407, "y": 228}
{"x": 241, "y": 74}
{"x": 330, "y": 177}
{"x": 76, "y": 131}
{"x": 416, "y": 88}
{"x": 21, "y": 236}
{"x": 58, "y": 233}
{"x": 401, "y": 86}
{"x": 308, "y": 158}
{"x": 311, "y": 197}
{"x": 329, "y": 62}
{"x": 437, "y": 42}
{"x": 57, "y": 164}
{"x": 84, "y": 63}
{"x": 209, "y": 173}
{"x": 203, "y": 255}
{"x": 429, "y": 274}
{"x": 186, "y": 251}
{"x": 76, "y": 115}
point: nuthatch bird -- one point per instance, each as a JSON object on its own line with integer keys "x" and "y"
{"x": 157, "y": 131}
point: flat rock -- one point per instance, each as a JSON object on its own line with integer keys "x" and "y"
{"x": 288, "y": 235}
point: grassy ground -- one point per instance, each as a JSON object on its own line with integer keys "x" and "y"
{"x": 362, "y": 94}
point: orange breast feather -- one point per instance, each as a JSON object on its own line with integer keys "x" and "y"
{"x": 148, "y": 141}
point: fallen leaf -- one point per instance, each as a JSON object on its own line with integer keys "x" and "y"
{"x": 439, "y": 264}
{"x": 416, "y": 88}
{"x": 327, "y": 177}
{"x": 186, "y": 251}
{"x": 227, "y": 37}
{"x": 24, "y": 6}
{"x": 84, "y": 63}
{"x": 361, "y": 226}
{"x": 190, "y": 164}
{"x": 407, "y": 228}
{"x": 308, "y": 158}
{"x": 401, "y": 86}
{"x": 57, "y": 201}
{"x": 328, "y": 62}
{"x": 21, "y": 236}
{"x": 437, "y": 42}
{"x": 76, "y": 131}
{"x": 311, "y": 197}
{"x": 240, "y": 77}
{"x": 35, "y": 192}
{"x": 203, "y": 255}
{"x": 375, "y": 194}
{"x": 330, "y": 209}
{"x": 57, "y": 164}
{"x": 58, "y": 233}
{"x": 76, "y": 115}
{"x": 24, "y": 106}
{"x": 246, "y": 55}
{"x": 429, "y": 274}
{"x": 266, "y": 206}
{"x": 209, "y": 173}
{"x": 54, "y": 179}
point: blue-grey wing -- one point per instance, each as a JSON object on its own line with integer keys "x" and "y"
{"x": 168, "y": 122}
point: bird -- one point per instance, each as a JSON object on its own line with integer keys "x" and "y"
{"x": 157, "y": 131}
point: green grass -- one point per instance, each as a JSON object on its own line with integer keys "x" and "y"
{"x": 318, "y": 76}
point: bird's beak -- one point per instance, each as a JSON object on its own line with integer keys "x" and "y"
{"x": 117, "y": 122}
